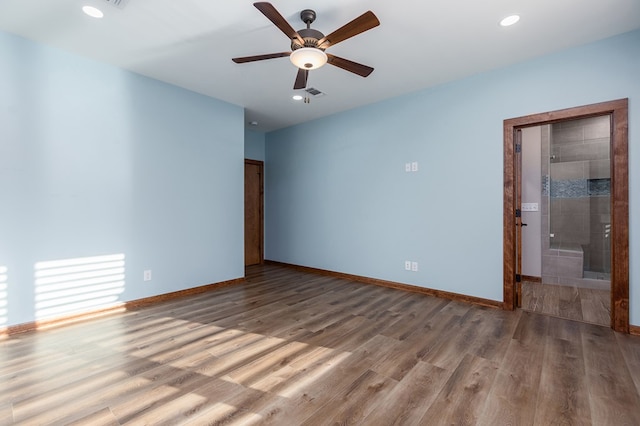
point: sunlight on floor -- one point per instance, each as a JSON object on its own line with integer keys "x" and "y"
{"x": 220, "y": 410}
{"x": 257, "y": 363}
{"x": 313, "y": 374}
{"x": 75, "y": 285}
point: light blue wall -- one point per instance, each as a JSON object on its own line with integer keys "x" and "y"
{"x": 95, "y": 161}
{"x": 340, "y": 199}
{"x": 254, "y": 145}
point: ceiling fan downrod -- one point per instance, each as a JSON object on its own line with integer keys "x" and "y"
{"x": 309, "y": 35}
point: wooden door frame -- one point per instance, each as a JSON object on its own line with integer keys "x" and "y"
{"x": 260, "y": 164}
{"x": 517, "y": 173}
{"x": 618, "y": 110}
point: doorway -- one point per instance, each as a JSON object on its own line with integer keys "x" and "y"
{"x": 566, "y": 219}
{"x": 617, "y": 226}
{"x": 253, "y": 212}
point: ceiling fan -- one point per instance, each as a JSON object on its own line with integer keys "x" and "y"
{"x": 308, "y": 45}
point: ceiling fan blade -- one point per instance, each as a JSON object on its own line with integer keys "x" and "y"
{"x": 362, "y": 23}
{"x": 278, "y": 20}
{"x": 345, "y": 64}
{"x": 260, "y": 57}
{"x": 301, "y": 79}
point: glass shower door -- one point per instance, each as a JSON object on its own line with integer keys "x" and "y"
{"x": 578, "y": 191}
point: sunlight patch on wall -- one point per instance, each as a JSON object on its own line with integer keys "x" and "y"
{"x": 4, "y": 302}
{"x": 70, "y": 286}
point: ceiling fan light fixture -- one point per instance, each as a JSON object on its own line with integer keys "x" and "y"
{"x": 308, "y": 58}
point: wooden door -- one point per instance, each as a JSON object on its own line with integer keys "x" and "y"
{"x": 253, "y": 212}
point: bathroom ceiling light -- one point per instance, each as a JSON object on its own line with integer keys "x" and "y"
{"x": 308, "y": 58}
{"x": 94, "y": 12}
{"x": 297, "y": 97}
{"x": 510, "y": 20}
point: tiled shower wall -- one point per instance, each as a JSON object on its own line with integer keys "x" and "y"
{"x": 576, "y": 199}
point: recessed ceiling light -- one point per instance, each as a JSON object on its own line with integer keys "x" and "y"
{"x": 94, "y": 12}
{"x": 297, "y": 97}
{"x": 253, "y": 123}
{"x": 510, "y": 20}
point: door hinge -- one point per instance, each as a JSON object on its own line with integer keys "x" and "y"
{"x": 518, "y": 278}
{"x": 518, "y": 148}
{"x": 518, "y": 213}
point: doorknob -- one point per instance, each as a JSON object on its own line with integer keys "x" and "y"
{"x": 523, "y": 224}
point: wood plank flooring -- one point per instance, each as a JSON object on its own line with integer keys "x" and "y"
{"x": 574, "y": 303}
{"x": 295, "y": 348}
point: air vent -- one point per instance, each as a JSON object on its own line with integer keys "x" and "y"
{"x": 314, "y": 92}
{"x": 120, "y": 4}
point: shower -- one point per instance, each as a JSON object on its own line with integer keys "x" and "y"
{"x": 576, "y": 187}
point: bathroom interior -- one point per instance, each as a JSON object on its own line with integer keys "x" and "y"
{"x": 566, "y": 202}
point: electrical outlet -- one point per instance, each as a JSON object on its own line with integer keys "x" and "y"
{"x": 414, "y": 266}
{"x": 407, "y": 265}
{"x": 414, "y": 166}
{"x": 147, "y": 275}
{"x": 407, "y": 167}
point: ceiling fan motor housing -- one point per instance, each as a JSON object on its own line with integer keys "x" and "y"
{"x": 310, "y": 37}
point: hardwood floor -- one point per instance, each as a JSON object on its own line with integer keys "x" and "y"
{"x": 574, "y": 303}
{"x": 294, "y": 348}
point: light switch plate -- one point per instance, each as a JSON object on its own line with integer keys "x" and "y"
{"x": 529, "y": 207}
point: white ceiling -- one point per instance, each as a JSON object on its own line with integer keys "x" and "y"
{"x": 419, "y": 43}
